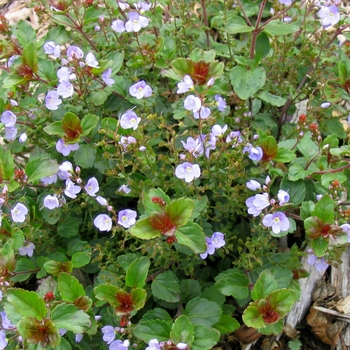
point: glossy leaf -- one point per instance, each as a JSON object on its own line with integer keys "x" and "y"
{"x": 69, "y": 287}
{"x": 153, "y": 329}
{"x": 143, "y": 230}
{"x": 67, "y": 316}
{"x": 265, "y": 284}
{"x": 205, "y": 338}
{"x": 27, "y": 303}
{"x": 180, "y": 210}
{"x": 107, "y": 293}
{"x": 182, "y": 331}
{"x": 201, "y": 311}
{"x": 247, "y": 82}
{"x": 137, "y": 272}
{"x": 191, "y": 236}
{"x": 166, "y": 286}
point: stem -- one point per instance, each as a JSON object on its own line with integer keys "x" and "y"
{"x": 257, "y": 30}
{"x": 205, "y": 17}
{"x": 80, "y": 30}
{"x": 332, "y": 171}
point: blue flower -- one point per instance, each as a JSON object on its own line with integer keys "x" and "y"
{"x": 217, "y": 240}
{"x": 278, "y": 221}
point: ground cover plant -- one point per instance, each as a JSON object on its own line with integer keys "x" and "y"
{"x": 159, "y": 182}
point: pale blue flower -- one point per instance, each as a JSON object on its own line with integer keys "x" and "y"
{"x": 253, "y": 185}
{"x": 140, "y": 90}
{"x": 187, "y": 171}
{"x": 8, "y": 118}
{"x": 283, "y": 197}
{"x": 257, "y": 203}
{"x": 186, "y": 84}
{"x": 221, "y": 103}
{"x": 153, "y": 344}
{"x": 23, "y": 137}
{"x": 136, "y": 22}
{"x": 108, "y": 333}
{"x": 102, "y": 201}
{"x": 51, "y": 202}
{"x": 65, "y": 74}
{"x": 19, "y": 212}
{"x": 92, "y": 187}
{"x": 27, "y": 249}
{"x": 103, "y": 222}
{"x": 192, "y": 103}
{"x": 10, "y": 133}
{"x": 64, "y": 148}
{"x": 203, "y": 113}
{"x": 254, "y": 153}
{"x": 319, "y": 262}
{"x": 50, "y": 48}
{"x": 65, "y": 89}
{"x": 118, "y": 26}
{"x": 129, "y": 120}
{"x": 65, "y": 170}
{"x": 72, "y": 189}
{"x": 278, "y": 221}
{"x": 127, "y": 218}
{"x": 78, "y": 337}
{"x": 48, "y": 180}
{"x": 91, "y": 61}
{"x": 329, "y": 15}
{"x": 74, "y": 53}
{"x": 106, "y": 77}
{"x": 52, "y": 101}
{"x": 125, "y": 141}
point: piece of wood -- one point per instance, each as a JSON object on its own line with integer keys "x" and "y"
{"x": 340, "y": 279}
{"x": 307, "y": 286}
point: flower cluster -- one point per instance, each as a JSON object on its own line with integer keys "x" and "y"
{"x": 278, "y": 221}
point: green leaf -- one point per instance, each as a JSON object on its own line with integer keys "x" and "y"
{"x": 137, "y": 272}
{"x": 138, "y": 297}
{"x": 282, "y": 301}
{"x": 25, "y": 33}
{"x": 69, "y": 287}
{"x": 295, "y": 344}
{"x": 306, "y": 209}
{"x": 38, "y": 168}
{"x": 204, "y": 338}
{"x": 80, "y": 259}
{"x": 157, "y": 314}
{"x": 55, "y": 129}
{"x": 88, "y": 123}
{"x": 6, "y": 164}
{"x": 319, "y": 246}
{"x": 12, "y": 80}
{"x": 85, "y": 156}
{"x": 295, "y": 189}
{"x": 275, "y": 328}
{"x": 327, "y": 178}
{"x": 69, "y": 228}
{"x": 23, "y": 265}
{"x": 284, "y": 155}
{"x": 252, "y": 318}
{"x": 262, "y": 47}
{"x": 69, "y": 317}
{"x": 265, "y": 284}
{"x": 235, "y": 284}
{"x": 297, "y": 172}
{"x": 273, "y": 100}
{"x": 180, "y": 210}
{"x": 107, "y": 293}
{"x": 191, "y": 236}
{"x": 72, "y": 127}
{"x": 30, "y": 56}
{"x": 226, "y": 324}
{"x": 143, "y": 230}
{"x": 166, "y": 286}
{"x": 150, "y": 203}
{"x": 153, "y": 329}
{"x": 115, "y": 61}
{"x": 324, "y": 209}
{"x": 270, "y": 148}
{"x": 247, "y": 82}
{"x": 203, "y": 312}
{"x": 278, "y": 28}
{"x": 182, "y": 331}
{"x": 27, "y": 303}
{"x": 182, "y": 66}
{"x": 189, "y": 289}
{"x": 237, "y": 25}
{"x": 307, "y": 147}
{"x": 110, "y": 126}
